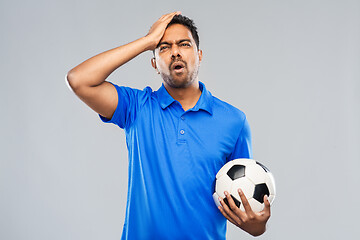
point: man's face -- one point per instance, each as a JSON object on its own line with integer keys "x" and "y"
{"x": 177, "y": 57}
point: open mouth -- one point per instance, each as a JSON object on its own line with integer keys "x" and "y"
{"x": 178, "y": 66}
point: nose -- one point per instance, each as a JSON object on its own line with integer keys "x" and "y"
{"x": 175, "y": 52}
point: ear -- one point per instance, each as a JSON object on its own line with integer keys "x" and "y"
{"x": 153, "y": 64}
{"x": 200, "y": 55}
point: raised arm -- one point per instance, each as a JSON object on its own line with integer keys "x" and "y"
{"x": 87, "y": 79}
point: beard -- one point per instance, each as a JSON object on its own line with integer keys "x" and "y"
{"x": 180, "y": 80}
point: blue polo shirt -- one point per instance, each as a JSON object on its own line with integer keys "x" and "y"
{"x": 173, "y": 160}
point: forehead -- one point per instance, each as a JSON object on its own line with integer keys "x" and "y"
{"x": 176, "y": 32}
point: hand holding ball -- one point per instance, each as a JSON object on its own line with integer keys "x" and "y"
{"x": 253, "y": 178}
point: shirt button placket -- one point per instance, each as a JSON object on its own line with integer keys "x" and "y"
{"x": 182, "y": 129}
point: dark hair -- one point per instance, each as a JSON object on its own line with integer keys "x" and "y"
{"x": 187, "y": 22}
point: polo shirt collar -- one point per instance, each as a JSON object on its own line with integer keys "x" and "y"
{"x": 205, "y": 101}
{"x": 164, "y": 97}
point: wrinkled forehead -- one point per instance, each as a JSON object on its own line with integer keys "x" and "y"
{"x": 175, "y": 33}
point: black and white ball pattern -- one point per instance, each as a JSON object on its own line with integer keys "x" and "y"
{"x": 254, "y": 179}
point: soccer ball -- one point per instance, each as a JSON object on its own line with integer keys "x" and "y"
{"x": 254, "y": 179}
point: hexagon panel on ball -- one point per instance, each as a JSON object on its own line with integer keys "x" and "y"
{"x": 255, "y": 173}
{"x": 223, "y": 184}
{"x": 246, "y": 186}
{"x": 255, "y": 205}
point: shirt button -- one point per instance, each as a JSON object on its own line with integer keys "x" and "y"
{"x": 182, "y": 132}
{"x": 182, "y": 118}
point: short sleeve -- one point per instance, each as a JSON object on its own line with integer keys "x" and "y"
{"x": 130, "y": 101}
{"x": 243, "y": 147}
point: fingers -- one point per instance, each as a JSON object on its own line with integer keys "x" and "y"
{"x": 157, "y": 30}
{"x": 233, "y": 211}
{"x": 173, "y": 13}
{"x": 228, "y": 214}
{"x": 253, "y": 223}
{"x": 245, "y": 203}
{"x": 231, "y": 202}
{"x": 169, "y": 15}
{"x": 266, "y": 210}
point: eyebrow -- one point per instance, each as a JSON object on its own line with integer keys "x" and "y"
{"x": 180, "y": 41}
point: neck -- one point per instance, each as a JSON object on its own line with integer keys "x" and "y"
{"x": 187, "y": 97}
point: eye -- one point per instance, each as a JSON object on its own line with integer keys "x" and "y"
{"x": 185, "y": 45}
{"x": 163, "y": 48}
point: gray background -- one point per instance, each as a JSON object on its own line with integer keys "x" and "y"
{"x": 291, "y": 66}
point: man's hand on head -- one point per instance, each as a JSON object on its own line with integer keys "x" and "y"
{"x": 249, "y": 221}
{"x": 157, "y": 30}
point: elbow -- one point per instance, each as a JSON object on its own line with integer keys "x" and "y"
{"x": 72, "y": 81}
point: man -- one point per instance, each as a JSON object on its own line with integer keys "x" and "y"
{"x": 178, "y": 137}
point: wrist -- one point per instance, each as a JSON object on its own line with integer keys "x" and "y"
{"x": 150, "y": 44}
